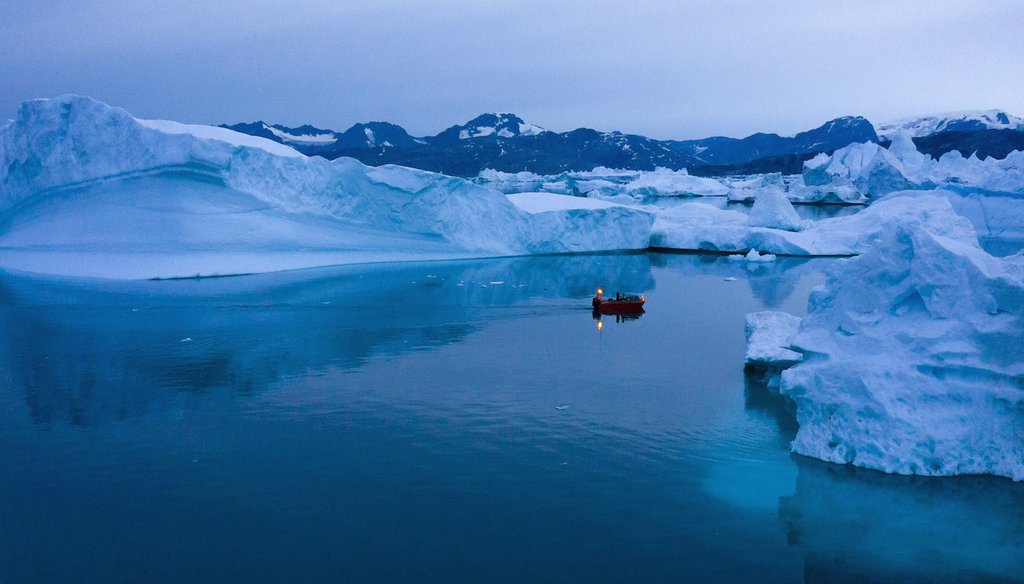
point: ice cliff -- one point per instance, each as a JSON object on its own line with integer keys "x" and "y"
{"x": 86, "y": 189}
{"x": 913, "y": 359}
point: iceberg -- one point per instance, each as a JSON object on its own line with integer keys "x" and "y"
{"x": 913, "y": 359}
{"x": 875, "y": 171}
{"x": 88, "y": 190}
{"x": 698, "y": 226}
{"x": 585, "y": 224}
{"x": 663, "y": 182}
{"x": 773, "y": 209}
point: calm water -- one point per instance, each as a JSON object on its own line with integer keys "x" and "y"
{"x": 443, "y": 422}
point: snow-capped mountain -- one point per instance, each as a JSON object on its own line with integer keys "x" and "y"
{"x": 963, "y": 121}
{"x": 306, "y": 135}
{"x": 497, "y": 125}
{"x": 375, "y": 135}
{"x": 504, "y": 141}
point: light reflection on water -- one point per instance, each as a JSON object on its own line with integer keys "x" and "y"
{"x": 455, "y": 421}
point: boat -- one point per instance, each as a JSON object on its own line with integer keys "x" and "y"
{"x": 623, "y": 303}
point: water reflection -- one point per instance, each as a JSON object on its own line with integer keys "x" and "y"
{"x": 761, "y": 395}
{"x": 856, "y": 525}
{"x": 773, "y": 283}
{"x": 619, "y": 318}
{"x": 88, "y": 351}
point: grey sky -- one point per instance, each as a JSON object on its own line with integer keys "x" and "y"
{"x": 664, "y": 69}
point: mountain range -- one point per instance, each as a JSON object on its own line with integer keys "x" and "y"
{"x": 503, "y": 141}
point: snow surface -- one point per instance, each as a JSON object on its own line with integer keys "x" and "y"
{"x": 935, "y": 123}
{"x": 913, "y": 360}
{"x": 542, "y": 202}
{"x": 558, "y": 214}
{"x": 88, "y": 190}
{"x": 220, "y": 135}
{"x": 768, "y": 338}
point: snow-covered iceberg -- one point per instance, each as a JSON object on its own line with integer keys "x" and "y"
{"x": 582, "y": 224}
{"x": 86, "y": 189}
{"x": 604, "y": 182}
{"x": 663, "y": 182}
{"x": 698, "y": 226}
{"x": 913, "y": 360}
{"x": 874, "y": 171}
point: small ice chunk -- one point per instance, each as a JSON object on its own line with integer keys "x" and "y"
{"x": 562, "y": 408}
{"x": 754, "y": 256}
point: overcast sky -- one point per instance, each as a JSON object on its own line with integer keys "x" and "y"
{"x": 684, "y": 69}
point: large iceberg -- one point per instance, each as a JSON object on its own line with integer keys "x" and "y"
{"x": 86, "y": 189}
{"x": 874, "y": 171}
{"x": 913, "y": 360}
{"x": 573, "y": 219}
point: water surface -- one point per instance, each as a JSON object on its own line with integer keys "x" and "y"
{"x": 443, "y": 422}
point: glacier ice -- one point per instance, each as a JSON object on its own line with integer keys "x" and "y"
{"x": 86, "y": 189}
{"x": 663, "y": 182}
{"x": 772, "y": 209}
{"x": 768, "y": 337}
{"x": 913, "y": 359}
{"x": 699, "y": 226}
{"x": 607, "y": 182}
{"x": 875, "y": 171}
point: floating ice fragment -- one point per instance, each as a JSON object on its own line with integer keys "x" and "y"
{"x": 562, "y": 408}
{"x": 754, "y": 256}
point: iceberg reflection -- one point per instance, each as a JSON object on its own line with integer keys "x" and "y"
{"x": 860, "y": 525}
{"x": 87, "y": 351}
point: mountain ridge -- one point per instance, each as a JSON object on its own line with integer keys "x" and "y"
{"x": 504, "y": 141}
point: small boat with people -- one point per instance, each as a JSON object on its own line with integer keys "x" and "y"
{"x": 623, "y": 303}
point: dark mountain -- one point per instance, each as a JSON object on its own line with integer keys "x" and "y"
{"x": 374, "y": 135}
{"x": 505, "y": 142}
{"x": 307, "y": 139}
{"x": 257, "y": 128}
{"x": 730, "y": 151}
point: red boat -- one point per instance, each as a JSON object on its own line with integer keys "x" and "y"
{"x": 621, "y": 304}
